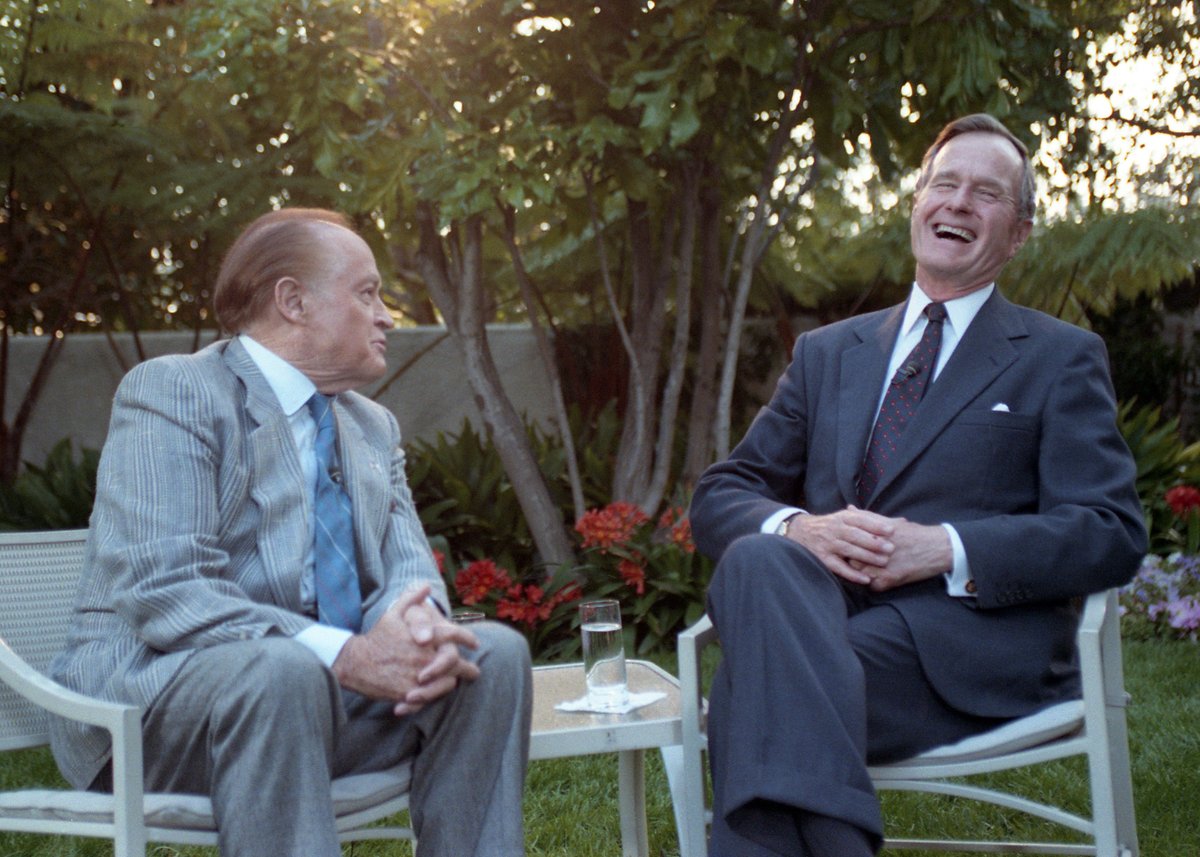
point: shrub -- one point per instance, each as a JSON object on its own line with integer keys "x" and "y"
{"x": 1163, "y": 600}
{"x": 56, "y": 496}
{"x": 652, "y": 568}
{"x": 1164, "y": 464}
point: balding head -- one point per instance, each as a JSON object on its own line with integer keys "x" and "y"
{"x": 278, "y": 244}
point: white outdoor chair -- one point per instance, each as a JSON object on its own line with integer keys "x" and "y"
{"x": 39, "y": 573}
{"x": 1093, "y": 727}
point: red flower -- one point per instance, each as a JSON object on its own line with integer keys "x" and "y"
{"x": 681, "y": 535}
{"x": 1183, "y": 498}
{"x": 570, "y": 592}
{"x": 478, "y": 580}
{"x": 609, "y": 526}
{"x": 633, "y": 574}
{"x": 524, "y": 604}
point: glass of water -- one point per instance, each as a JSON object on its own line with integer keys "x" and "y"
{"x": 603, "y": 653}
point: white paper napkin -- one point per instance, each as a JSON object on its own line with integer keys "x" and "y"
{"x": 632, "y": 701}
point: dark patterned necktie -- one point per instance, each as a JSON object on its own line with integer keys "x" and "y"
{"x": 903, "y": 395}
{"x": 335, "y": 572}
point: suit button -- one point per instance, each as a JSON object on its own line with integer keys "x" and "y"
{"x": 971, "y": 587}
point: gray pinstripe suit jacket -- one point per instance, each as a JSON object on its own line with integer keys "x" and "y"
{"x": 201, "y": 526}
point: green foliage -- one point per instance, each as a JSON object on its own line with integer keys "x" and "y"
{"x": 1163, "y": 462}
{"x": 488, "y": 560}
{"x": 465, "y": 499}
{"x": 650, "y": 566}
{"x": 1080, "y": 268}
{"x": 56, "y": 496}
{"x": 1146, "y": 364}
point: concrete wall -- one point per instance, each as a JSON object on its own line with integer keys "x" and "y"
{"x": 426, "y": 388}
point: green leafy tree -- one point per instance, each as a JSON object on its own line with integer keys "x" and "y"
{"x": 666, "y": 167}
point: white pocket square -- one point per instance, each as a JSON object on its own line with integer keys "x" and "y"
{"x": 1000, "y": 406}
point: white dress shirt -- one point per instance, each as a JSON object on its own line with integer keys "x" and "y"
{"x": 293, "y": 389}
{"x": 960, "y": 312}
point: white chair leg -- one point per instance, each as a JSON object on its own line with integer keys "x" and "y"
{"x": 673, "y": 764}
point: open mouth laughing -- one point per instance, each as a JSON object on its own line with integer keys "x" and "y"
{"x": 953, "y": 233}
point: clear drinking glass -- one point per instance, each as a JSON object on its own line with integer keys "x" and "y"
{"x": 603, "y": 653}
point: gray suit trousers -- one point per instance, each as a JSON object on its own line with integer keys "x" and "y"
{"x": 262, "y": 727}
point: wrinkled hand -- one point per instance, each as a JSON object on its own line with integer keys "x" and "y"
{"x": 410, "y": 656}
{"x": 847, "y": 542}
{"x": 919, "y": 551}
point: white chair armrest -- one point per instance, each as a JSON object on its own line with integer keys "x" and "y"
{"x": 1095, "y": 612}
{"x": 691, "y": 642}
{"x": 53, "y": 697}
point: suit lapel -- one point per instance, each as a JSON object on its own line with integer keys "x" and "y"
{"x": 276, "y": 482}
{"x": 861, "y": 380}
{"x": 981, "y": 355}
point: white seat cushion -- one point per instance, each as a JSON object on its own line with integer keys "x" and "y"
{"x": 1037, "y": 728}
{"x": 191, "y": 812}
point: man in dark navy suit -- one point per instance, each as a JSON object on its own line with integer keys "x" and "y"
{"x": 902, "y": 531}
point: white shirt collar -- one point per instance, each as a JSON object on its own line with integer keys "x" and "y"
{"x": 291, "y": 386}
{"x": 961, "y": 311}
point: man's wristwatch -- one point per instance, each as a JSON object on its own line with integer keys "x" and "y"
{"x": 782, "y": 528}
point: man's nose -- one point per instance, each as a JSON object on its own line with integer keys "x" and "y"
{"x": 962, "y": 199}
{"x": 383, "y": 318}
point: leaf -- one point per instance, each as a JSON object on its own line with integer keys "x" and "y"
{"x": 685, "y": 122}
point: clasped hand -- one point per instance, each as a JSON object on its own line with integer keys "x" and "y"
{"x": 873, "y": 550}
{"x": 411, "y": 656}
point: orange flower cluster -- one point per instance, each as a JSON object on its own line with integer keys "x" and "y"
{"x": 475, "y": 582}
{"x": 634, "y": 575}
{"x": 1183, "y": 498}
{"x": 527, "y": 603}
{"x": 615, "y": 523}
{"x": 679, "y": 529}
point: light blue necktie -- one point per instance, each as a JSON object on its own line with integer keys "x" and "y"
{"x": 335, "y": 572}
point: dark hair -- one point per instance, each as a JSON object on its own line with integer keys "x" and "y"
{"x": 988, "y": 124}
{"x": 278, "y": 244}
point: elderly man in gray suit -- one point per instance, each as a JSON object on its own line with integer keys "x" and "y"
{"x": 904, "y": 530}
{"x": 258, "y": 581}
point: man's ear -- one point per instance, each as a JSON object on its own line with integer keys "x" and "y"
{"x": 291, "y": 299}
{"x": 1020, "y": 236}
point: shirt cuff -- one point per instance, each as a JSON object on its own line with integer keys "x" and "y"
{"x": 958, "y": 579}
{"x": 325, "y": 641}
{"x": 769, "y": 525}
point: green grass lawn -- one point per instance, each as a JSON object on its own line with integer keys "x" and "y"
{"x": 571, "y": 804}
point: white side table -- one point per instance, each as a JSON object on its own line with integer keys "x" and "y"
{"x": 556, "y": 734}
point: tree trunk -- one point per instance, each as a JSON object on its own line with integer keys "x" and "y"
{"x": 546, "y": 351}
{"x": 684, "y": 255}
{"x": 647, "y": 311}
{"x": 712, "y": 310}
{"x": 453, "y": 275}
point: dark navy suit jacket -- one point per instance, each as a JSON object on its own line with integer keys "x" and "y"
{"x": 1015, "y": 445}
